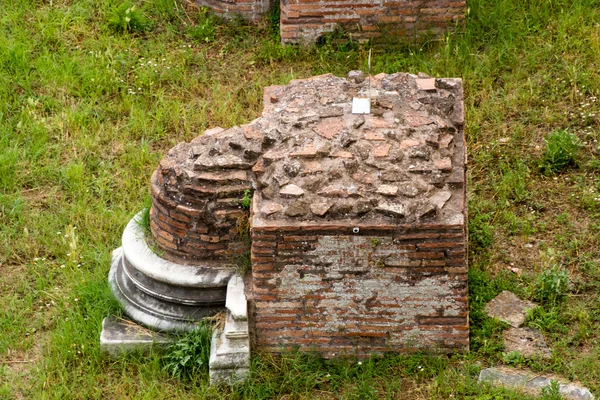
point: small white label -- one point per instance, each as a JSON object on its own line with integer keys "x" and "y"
{"x": 361, "y": 106}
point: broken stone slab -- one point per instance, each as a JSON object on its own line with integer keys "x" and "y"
{"x": 507, "y": 307}
{"x": 532, "y": 383}
{"x": 120, "y": 336}
{"x": 528, "y": 342}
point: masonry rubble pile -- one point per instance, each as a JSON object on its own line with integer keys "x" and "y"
{"x": 358, "y": 222}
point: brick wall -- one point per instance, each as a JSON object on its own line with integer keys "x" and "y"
{"x": 251, "y": 10}
{"x": 303, "y": 21}
{"x": 387, "y": 288}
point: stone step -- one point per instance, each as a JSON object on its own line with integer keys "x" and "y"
{"x": 120, "y": 336}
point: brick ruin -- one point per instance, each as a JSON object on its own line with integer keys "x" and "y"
{"x": 304, "y": 21}
{"x": 356, "y": 232}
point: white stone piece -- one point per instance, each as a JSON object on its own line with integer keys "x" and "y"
{"x": 507, "y": 307}
{"x": 236, "y": 302}
{"x": 361, "y": 105}
{"x": 230, "y": 349}
{"x": 440, "y": 198}
{"x": 120, "y": 336}
{"x": 532, "y": 383}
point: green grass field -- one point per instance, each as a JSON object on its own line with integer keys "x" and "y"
{"x": 90, "y": 103}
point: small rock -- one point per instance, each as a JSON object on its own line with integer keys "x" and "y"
{"x": 340, "y": 210}
{"x": 445, "y": 141}
{"x": 443, "y": 164}
{"x": 298, "y": 208}
{"x": 346, "y": 138}
{"x": 271, "y": 208}
{"x": 292, "y": 168}
{"x": 320, "y": 209}
{"x": 206, "y": 162}
{"x": 291, "y": 191}
{"x": 426, "y": 210}
{"x": 342, "y": 154}
{"x": 532, "y": 383}
{"x": 393, "y": 209}
{"x": 330, "y": 127}
{"x": 387, "y": 190}
{"x": 440, "y": 199}
{"x": 333, "y": 191}
{"x": 507, "y": 307}
{"x": 382, "y": 150}
{"x": 356, "y": 76}
{"x": 427, "y": 84}
{"x": 408, "y": 189}
{"x": 527, "y": 341}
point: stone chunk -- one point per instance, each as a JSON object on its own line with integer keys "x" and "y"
{"x": 291, "y": 191}
{"x": 356, "y": 76}
{"x": 273, "y": 155}
{"x": 123, "y": 336}
{"x": 387, "y": 190}
{"x": 270, "y": 208}
{"x": 222, "y": 176}
{"x": 408, "y": 189}
{"x": 427, "y": 84}
{"x": 342, "y": 154}
{"x": 330, "y": 127}
{"x": 297, "y": 209}
{"x": 527, "y": 341}
{"x": 507, "y": 307}
{"x": 393, "y": 209}
{"x": 443, "y": 164}
{"x": 228, "y": 161}
{"x": 440, "y": 198}
{"x": 383, "y": 150}
{"x": 319, "y": 209}
{"x": 532, "y": 382}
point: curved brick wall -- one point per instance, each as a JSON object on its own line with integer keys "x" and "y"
{"x": 195, "y": 196}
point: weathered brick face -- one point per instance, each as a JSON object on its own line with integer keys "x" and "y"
{"x": 304, "y": 21}
{"x": 386, "y": 288}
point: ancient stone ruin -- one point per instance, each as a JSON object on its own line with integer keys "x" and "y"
{"x": 356, "y": 232}
{"x": 304, "y": 21}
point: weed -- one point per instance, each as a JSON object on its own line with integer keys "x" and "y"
{"x": 552, "y": 391}
{"x": 246, "y": 200}
{"x": 127, "y": 18}
{"x": 552, "y": 286}
{"x": 548, "y": 321}
{"x": 514, "y": 358}
{"x": 560, "y": 152}
{"x": 143, "y": 221}
{"x": 189, "y": 355}
{"x": 205, "y": 27}
{"x": 375, "y": 242}
{"x": 480, "y": 232}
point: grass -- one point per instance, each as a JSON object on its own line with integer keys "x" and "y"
{"x": 87, "y": 112}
